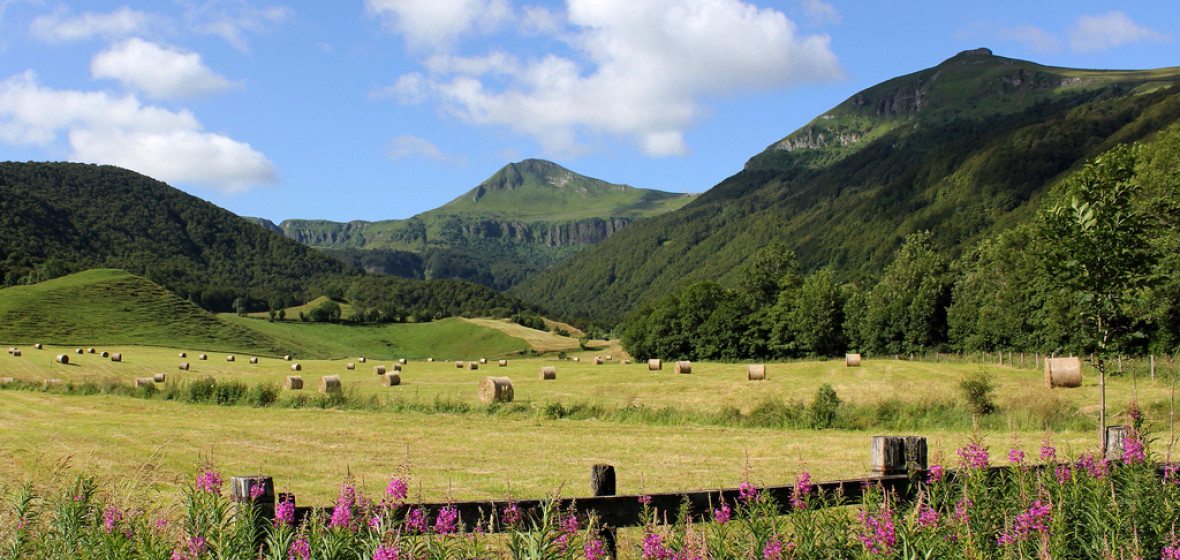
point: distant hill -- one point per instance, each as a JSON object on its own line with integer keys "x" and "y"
{"x": 113, "y": 307}
{"x": 523, "y": 219}
{"x": 962, "y": 149}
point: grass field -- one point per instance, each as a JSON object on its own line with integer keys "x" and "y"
{"x": 479, "y": 455}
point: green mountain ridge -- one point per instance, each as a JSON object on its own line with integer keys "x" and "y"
{"x": 963, "y": 149}
{"x": 526, "y": 217}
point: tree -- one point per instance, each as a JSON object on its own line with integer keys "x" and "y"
{"x": 774, "y": 269}
{"x": 1097, "y": 246}
{"x": 906, "y": 310}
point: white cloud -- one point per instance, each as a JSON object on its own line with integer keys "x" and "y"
{"x": 1096, "y": 33}
{"x": 1032, "y": 37}
{"x": 437, "y": 23}
{"x": 101, "y": 128}
{"x": 406, "y": 145}
{"x": 58, "y": 27}
{"x": 643, "y": 71}
{"x": 821, "y": 12}
{"x": 160, "y": 72}
{"x": 232, "y": 19}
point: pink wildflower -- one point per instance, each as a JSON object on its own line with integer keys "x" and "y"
{"x": 1133, "y": 449}
{"x": 934, "y": 474}
{"x": 511, "y": 515}
{"x": 256, "y": 491}
{"x": 1064, "y": 473}
{"x": 1016, "y": 456}
{"x": 110, "y": 518}
{"x": 595, "y": 550}
{"x": 447, "y": 520}
{"x": 285, "y": 512}
{"x": 1170, "y": 474}
{"x": 803, "y": 487}
{"x": 397, "y": 490}
{"x": 1097, "y": 468}
{"x": 299, "y": 549}
{"x": 342, "y": 513}
{"x": 963, "y": 510}
{"x": 654, "y": 549}
{"x": 1048, "y": 452}
{"x": 645, "y": 499}
{"x": 927, "y": 517}
{"x": 1171, "y": 551}
{"x": 747, "y": 492}
{"x": 878, "y": 534}
{"x": 773, "y": 550}
{"x": 722, "y": 514}
{"x": 387, "y": 553}
{"x": 974, "y": 456}
{"x": 210, "y": 481}
{"x": 1034, "y": 521}
{"x": 416, "y": 521}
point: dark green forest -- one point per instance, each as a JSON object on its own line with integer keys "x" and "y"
{"x": 1096, "y": 269}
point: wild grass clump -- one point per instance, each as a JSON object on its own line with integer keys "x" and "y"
{"x": 1041, "y": 506}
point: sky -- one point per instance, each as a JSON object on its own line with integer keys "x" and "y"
{"x": 382, "y": 109}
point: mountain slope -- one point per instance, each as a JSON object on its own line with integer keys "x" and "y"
{"x": 961, "y": 149}
{"x": 524, "y": 218}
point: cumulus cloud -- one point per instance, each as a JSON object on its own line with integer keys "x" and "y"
{"x": 159, "y": 71}
{"x": 404, "y": 146}
{"x": 120, "y": 130}
{"x": 821, "y": 12}
{"x": 60, "y": 27}
{"x": 232, "y": 19}
{"x": 1097, "y": 33}
{"x": 642, "y": 71}
{"x": 1032, "y": 37}
{"x": 436, "y": 23}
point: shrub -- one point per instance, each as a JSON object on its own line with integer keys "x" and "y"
{"x": 977, "y": 390}
{"x": 823, "y": 408}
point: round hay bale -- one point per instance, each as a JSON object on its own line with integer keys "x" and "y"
{"x": 62, "y": 359}
{"x": 473, "y": 365}
{"x": 655, "y": 364}
{"x": 11, "y": 349}
{"x": 105, "y": 354}
{"x": 401, "y": 361}
{"x": 293, "y": 383}
{"x": 1063, "y": 372}
{"x": 459, "y": 365}
{"x": 182, "y": 355}
{"x": 16, "y": 353}
{"x": 287, "y": 358}
{"x": 253, "y": 360}
{"x": 608, "y": 357}
{"x": 851, "y": 360}
{"x": 495, "y": 389}
{"x": 229, "y": 358}
{"x": 597, "y": 361}
{"x": 144, "y": 381}
{"x": 576, "y": 359}
{"x": 330, "y": 384}
{"x": 296, "y": 367}
{"x": 350, "y": 366}
{"x": 78, "y": 351}
{"x": 202, "y": 357}
{"x": 483, "y": 360}
{"x": 503, "y": 363}
{"x": 116, "y": 357}
{"x": 756, "y": 372}
{"x": 391, "y": 379}
{"x": 183, "y": 366}
{"x": 361, "y": 359}
{"x": 430, "y": 359}
{"x": 158, "y": 378}
{"x": 379, "y": 370}
{"x": 683, "y": 366}
{"x": 626, "y": 362}
{"x": 397, "y": 367}
{"x": 90, "y": 350}
{"x": 548, "y": 372}
{"x": 38, "y": 346}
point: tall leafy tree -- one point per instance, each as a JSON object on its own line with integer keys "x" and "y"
{"x": 906, "y": 310}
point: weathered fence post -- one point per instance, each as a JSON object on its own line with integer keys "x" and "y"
{"x": 254, "y": 495}
{"x": 602, "y": 483}
{"x": 897, "y": 454}
{"x": 1115, "y": 435}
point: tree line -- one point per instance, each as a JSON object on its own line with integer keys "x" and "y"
{"x": 1096, "y": 270}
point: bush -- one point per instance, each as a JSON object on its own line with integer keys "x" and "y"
{"x": 264, "y": 394}
{"x": 977, "y": 389}
{"x": 823, "y": 408}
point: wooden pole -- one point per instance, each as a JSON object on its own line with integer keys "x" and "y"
{"x": 602, "y": 483}
{"x": 254, "y": 494}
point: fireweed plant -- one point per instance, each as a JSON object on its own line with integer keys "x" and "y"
{"x": 1041, "y": 506}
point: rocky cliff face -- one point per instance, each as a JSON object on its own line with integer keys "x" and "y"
{"x": 452, "y": 231}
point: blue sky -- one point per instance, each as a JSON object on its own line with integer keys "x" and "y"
{"x": 381, "y": 109}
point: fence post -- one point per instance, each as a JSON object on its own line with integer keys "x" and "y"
{"x": 257, "y": 491}
{"x": 897, "y": 454}
{"x": 1115, "y": 435}
{"x": 602, "y": 483}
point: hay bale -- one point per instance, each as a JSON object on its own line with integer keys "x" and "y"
{"x": 229, "y": 358}
{"x": 548, "y": 372}
{"x": 361, "y": 359}
{"x": 105, "y": 354}
{"x": 655, "y": 364}
{"x": 62, "y": 359}
{"x": 397, "y": 367}
{"x": 391, "y": 379}
{"x": 16, "y": 353}
{"x": 756, "y": 372}
{"x": 473, "y": 365}
{"x": 296, "y": 367}
{"x": 597, "y": 361}
{"x": 293, "y": 383}
{"x": 202, "y": 357}
{"x": 683, "y": 366}
{"x": 144, "y": 382}
{"x": 401, "y": 361}
{"x": 609, "y": 357}
{"x": 116, "y": 357}
{"x": 459, "y": 365}
{"x": 330, "y": 384}
{"x": 183, "y": 366}
{"x": 576, "y": 359}
{"x": 158, "y": 378}
{"x": 503, "y": 363}
{"x": 350, "y": 366}
{"x": 90, "y": 350}
{"x": 182, "y": 355}
{"x": 287, "y": 358}
{"x": 430, "y": 359}
{"x": 379, "y": 370}
{"x": 78, "y": 351}
{"x": 1063, "y": 372}
{"x": 253, "y": 360}
{"x": 851, "y": 360}
{"x": 495, "y": 389}
{"x": 626, "y": 362}
{"x": 38, "y": 346}
{"x": 483, "y": 360}
{"x": 11, "y": 349}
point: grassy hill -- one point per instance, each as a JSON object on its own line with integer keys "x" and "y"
{"x": 115, "y": 308}
{"x": 964, "y": 149}
{"x": 521, "y": 220}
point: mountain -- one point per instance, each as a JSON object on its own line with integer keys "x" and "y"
{"x": 963, "y": 149}
{"x": 523, "y": 219}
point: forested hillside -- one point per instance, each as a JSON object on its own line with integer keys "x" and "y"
{"x": 962, "y": 150}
